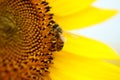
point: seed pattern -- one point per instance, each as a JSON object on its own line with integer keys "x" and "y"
{"x": 28, "y": 39}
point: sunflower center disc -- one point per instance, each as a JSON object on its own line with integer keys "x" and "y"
{"x": 28, "y": 38}
{"x": 7, "y": 29}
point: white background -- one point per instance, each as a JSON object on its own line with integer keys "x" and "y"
{"x": 107, "y": 31}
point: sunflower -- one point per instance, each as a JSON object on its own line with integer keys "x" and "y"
{"x": 31, "y": 42}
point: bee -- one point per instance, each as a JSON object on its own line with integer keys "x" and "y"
{"x": 57, "y": 28}
{"x": 59, "y": 37}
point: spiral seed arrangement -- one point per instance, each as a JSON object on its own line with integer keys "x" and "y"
{"x": 28, "y": 38}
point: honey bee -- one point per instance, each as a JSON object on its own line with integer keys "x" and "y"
{"x": 60, "y": 38}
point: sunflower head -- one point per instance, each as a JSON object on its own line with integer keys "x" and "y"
{"x": 28, "y": 37}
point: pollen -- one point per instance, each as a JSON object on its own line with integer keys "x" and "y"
{"x": 29, "y": 37}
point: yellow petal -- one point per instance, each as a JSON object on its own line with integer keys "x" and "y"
{"x": 115, "y": 62}
{"x": 71, "y": 67}
{"x": 66, "y": 7}
{"x": 82, "y": 46}
{"x": 85, "y": 18}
